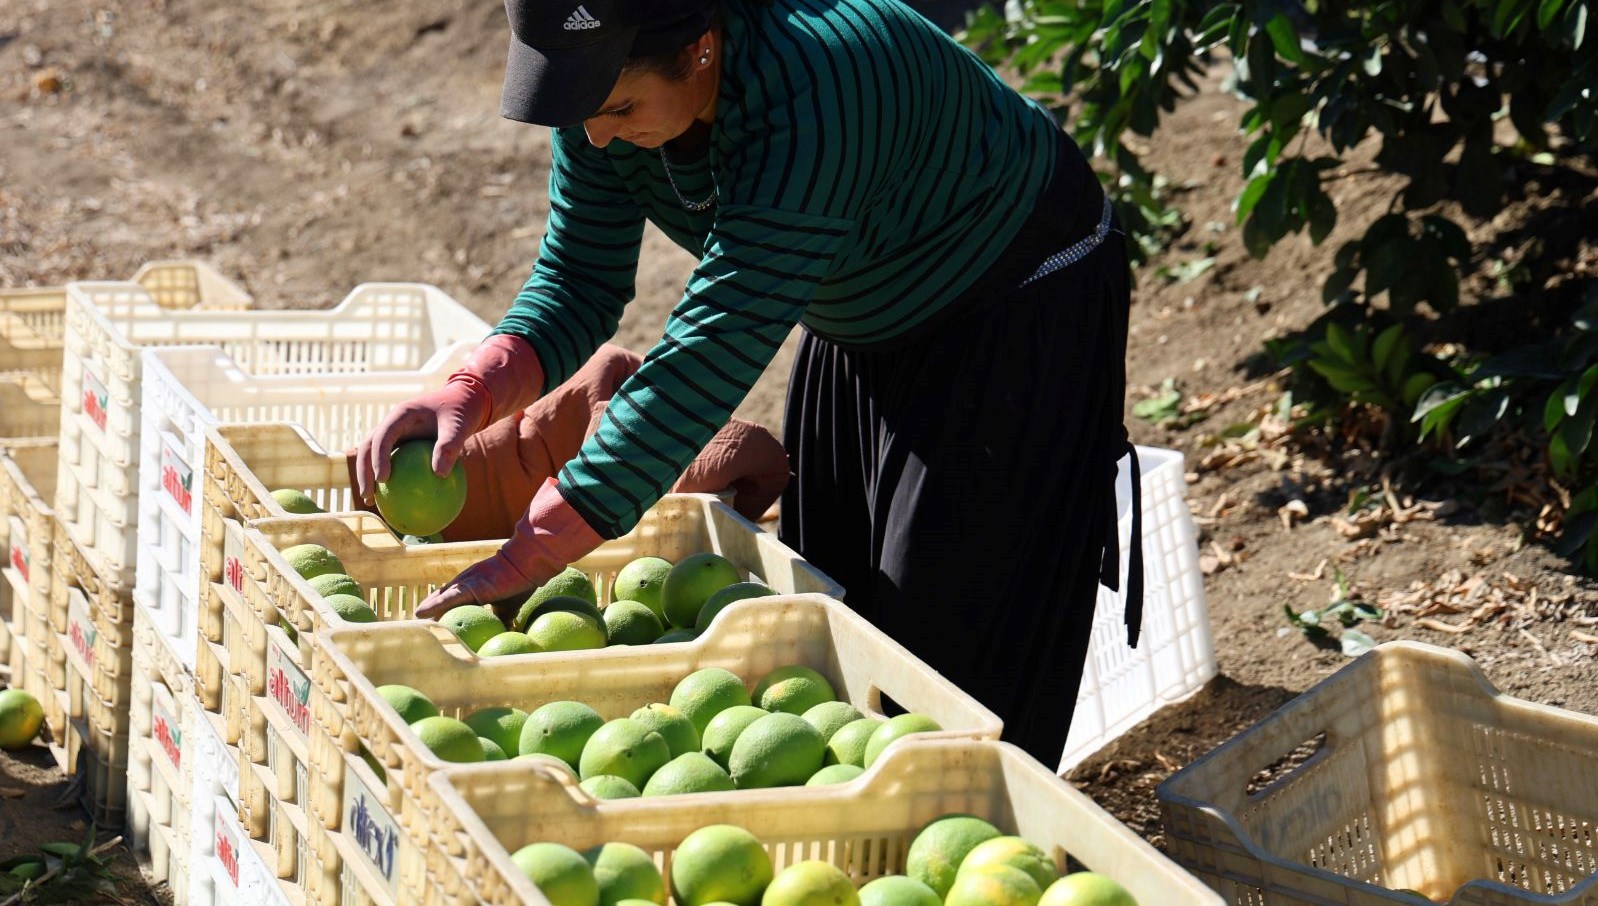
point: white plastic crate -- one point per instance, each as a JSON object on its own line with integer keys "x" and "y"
{"x": 217, "y": 837}
{"x": 1175, "y": 655}
{"x": 160, "y": 761}
{"x": 188, "y": 390}
{"x": 32, "y": 320}
{"x": 29, "y": 411}
{"x": 27, "y": 525}
{"x": 378, "y": 327}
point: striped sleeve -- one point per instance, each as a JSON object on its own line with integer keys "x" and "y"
{"x": 760, "y": 271}
{"x": 587, "y": 264}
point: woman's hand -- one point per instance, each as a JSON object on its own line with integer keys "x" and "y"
{"x": 501, "y": 376}
{"x": 547, "y": 539}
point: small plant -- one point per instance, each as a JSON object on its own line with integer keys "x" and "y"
{"x": 1316, "y": 625}
{"x": 60, "y": 873}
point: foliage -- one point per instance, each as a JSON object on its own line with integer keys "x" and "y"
{"x": 58, "y": 873}
{"x": 1430, "y": 82}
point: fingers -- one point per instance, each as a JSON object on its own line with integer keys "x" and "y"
{"x": 443, "y": 601}
{"x": 373, "y": 463}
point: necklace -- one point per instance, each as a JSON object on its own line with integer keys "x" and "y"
{"x": 693, "y": 207}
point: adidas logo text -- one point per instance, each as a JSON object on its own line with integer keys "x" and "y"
{"x": 581, "y": 19}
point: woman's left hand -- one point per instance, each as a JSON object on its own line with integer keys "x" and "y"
{"x": 547, "y": 539}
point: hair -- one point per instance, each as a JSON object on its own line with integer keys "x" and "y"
{"x": 672, "y": 65}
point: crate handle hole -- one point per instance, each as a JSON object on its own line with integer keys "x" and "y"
{"x": 1300, "y": 758}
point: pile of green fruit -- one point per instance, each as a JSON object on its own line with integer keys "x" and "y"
{"x": 324, "y": 572}
{"x": 652, "y": 601}
{"x": 714, "y": 735}
{"x": 957, "y": 860}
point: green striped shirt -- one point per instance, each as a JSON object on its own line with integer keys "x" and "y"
{"x": 867, "y": 168}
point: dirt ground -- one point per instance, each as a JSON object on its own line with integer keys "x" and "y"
{"x": 304, "y": 146}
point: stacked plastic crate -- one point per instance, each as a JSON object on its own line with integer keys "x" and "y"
{"x": 109, "y": 326}
{"x": 334, "y": 369}
{"x": 32, "y": 327}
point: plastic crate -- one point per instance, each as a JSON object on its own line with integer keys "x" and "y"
{"x": 160, "y": 759}
{"x": 1175, "y": 655}
{"x": 218, "y": 871}
{"x": 750, "y": 638}
{"x": 186, "y": 391}
{"x": 27, "y": 482}
{"x": 1424, "y": 777}
{"x": 32, "y": 320}
{"x": 864, "y": 827}
{"x": 378, "y": 327}
{"x": 29, "y": 411}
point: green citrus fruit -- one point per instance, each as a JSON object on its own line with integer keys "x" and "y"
{"x": 411, "y": 705}
{"x": 491, "y": 749}
{"x": 642, "y": 581}
{"x": 705, "y": 693}
{"x": 508, "y": 642}
{"x": 724, "y": 730}
{"x": 413, "y": 500}
{"x": 311, "y": 560}
{"x": 1086, "y": 888}
{"x": 691, "y": 582}
{"x": 560, "y": 873}
{"x": 549, "y": 760}
{"x": 720, "y": 863}
{"x": 560, "y": 729}
{"x": 631, "y": 623}
{"x": 502, "y": 725}
{"x": 562, "y": 630}
{"x": 717, "y": 602}
{"x": 626, "y": 748}
{"x": 835, "y": 773}
{"x": 672, "y": 636}
{"x": 847, "y": 745}
{"x": 691, "y": 772}
{"x": 625, "y": 872}
{"x": 473, "y": 624}
{"x": 777, "y": 750}
{"x": 336, "y": 584}
{"x": 936, "y": 853}
{"x": 609, "y": 786}
{"x": 830, "y": 717}
{"x": 811, "y": 883}
{"x": 897, "y": 728}
{"x": 1015, "y": 852}
{"x": 673, "y": 726}
{"x": 794, "y": 689}
{"x": 295, "y": 502}
{"x": 993, "y": 885}
{"x": 350, "y": 608}
{"x": 449, "y": 739}
{"x": 21, "y": 716}
{"x": 898, "y": 890}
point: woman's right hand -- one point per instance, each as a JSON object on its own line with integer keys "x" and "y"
{"x": 501, "y": 376}
{"x": 452, "y": 413}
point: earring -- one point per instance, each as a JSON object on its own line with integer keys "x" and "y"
{"x": 704, "y": 57}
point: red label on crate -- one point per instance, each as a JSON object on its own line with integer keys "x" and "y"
{"x": 177, "y": 478}
{"x": 167, "y": 734}
{"x": 227, "y": 851}
{"x": 288, "y": 685}
{"x": 371, "y": 827}
{"x": 232, "y": 562}
{"x": 80, "y": 629}
{"x": 18, "y": 553}
{"x": 96, "y": 398}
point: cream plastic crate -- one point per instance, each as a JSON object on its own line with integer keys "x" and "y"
{"x": 373, "y": 860}
{"x": 188, "y": 390}
{"x": 864, "y": 827}
{"x": 27, "y": 482}
{"x": 1426, "y": 778}
{"x": 277, "y": 670}
{"x": 29, "y": 412}
{"x": 160, "y": 759}
{"x": 750, "y": 638}
{"x": 378, "y": 327}
{"x": 274, "y": 768}
{"x": 32, "y": 320}
{"x": 1175, "y": 655}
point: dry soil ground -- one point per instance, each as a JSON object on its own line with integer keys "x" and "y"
{"x": 304, "y": 146}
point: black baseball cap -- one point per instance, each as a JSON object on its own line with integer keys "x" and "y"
{"x": 565, "y": 55}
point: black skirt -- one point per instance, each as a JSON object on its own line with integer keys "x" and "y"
{"x": 961, "y": 486}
